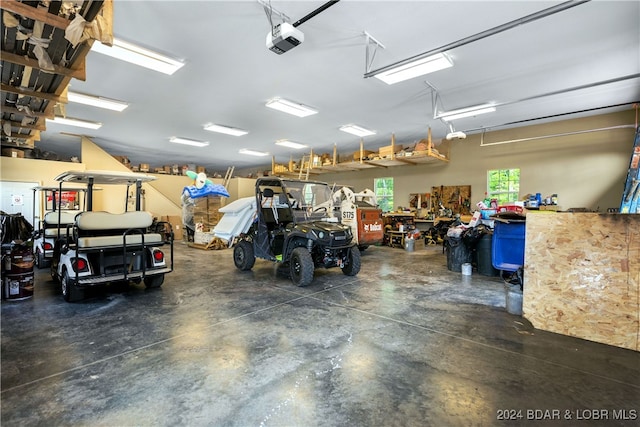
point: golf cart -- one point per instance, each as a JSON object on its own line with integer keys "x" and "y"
{"x": 294, "y": 226}
{"x": 57, "y": 213}
{"x": 102, "y": 247}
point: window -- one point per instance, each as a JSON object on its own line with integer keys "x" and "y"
{"x": 504, "y": 185}
{"x": 384, "y": 193}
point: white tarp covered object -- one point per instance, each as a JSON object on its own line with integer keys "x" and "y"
{"x": 238, "y": 217}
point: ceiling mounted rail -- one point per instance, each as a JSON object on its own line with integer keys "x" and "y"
{"x": 319, "y": 10}
{"x": 484, "y": 34}
{"x": 555, "y": 135}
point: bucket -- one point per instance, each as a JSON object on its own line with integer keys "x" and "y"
{"x": 513, "y": 295}
{"x": 409, "y": 244}
{"x": 466, "y": 269}
{"x": 17, "y": 267}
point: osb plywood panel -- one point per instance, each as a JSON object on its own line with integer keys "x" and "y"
{"x": 582, "y": 276}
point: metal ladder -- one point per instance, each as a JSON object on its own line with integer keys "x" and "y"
{"x": 631, "y": 195}
{"x": 228, "y": 175}
{"x": 305, "y": 166}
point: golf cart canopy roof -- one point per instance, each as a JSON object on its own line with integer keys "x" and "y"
{"x": 44, "y": 188}
{"x": 104, "y": 177}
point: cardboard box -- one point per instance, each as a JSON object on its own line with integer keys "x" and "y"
{"x": 202, "y": 237}
{"x": 365, "y": 153}
{"x": 159, "y": 170}
{"x": 144, "y": 167}
{"x": 167, "y": 169}
{"x": 176, "y": 225}
{"x": 123, "y": 159}
{"x": 387, "y": 150}
{"x": 13, "y": 152}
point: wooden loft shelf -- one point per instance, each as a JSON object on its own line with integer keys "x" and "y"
{"x": 430, "y": 155}
{"x": 26, "y": 107}
{"x": 426, "y": 156}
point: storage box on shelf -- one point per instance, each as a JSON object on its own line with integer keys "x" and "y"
{"x": 13, "y": 152}
{"x": 389, "y": 150}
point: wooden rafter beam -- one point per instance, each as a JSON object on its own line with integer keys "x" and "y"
{"x": 34, "y": 13}
{"x": 32, "y": 93}
{"x": 14, "y": 110}
{"x": 12, "y": 58}
{"x": 35, "y": 136}
{"x": 36, "y": 126}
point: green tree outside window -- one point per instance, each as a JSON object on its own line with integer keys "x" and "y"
{"x": 383, "y": 187}
{"x": 504, "y": 185}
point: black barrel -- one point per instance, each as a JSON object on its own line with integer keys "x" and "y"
{"x": 483, "y": 249}
{"x": 17, "y": 272}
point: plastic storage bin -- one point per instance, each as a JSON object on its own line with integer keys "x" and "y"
{"x": 507, "y": 250}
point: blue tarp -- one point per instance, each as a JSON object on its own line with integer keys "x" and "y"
{"x": 207, "y": 190}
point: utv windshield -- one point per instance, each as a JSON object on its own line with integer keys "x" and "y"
{"x": 308, "y": 199}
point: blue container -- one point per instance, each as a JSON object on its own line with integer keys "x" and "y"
{"x": 507, "y": 250}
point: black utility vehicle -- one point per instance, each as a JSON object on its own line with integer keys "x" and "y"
{"x": 294, "y": 225}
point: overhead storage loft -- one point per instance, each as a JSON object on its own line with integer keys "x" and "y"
{"x": 39, "y": 61}
{"x": 422, "y": 152}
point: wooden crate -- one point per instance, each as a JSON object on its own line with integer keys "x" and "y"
{"x": 388, "y": 150}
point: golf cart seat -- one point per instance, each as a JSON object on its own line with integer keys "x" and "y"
{"x": 52, "y": 219}
{"x": 104, "y": 229}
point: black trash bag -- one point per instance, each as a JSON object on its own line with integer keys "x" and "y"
{"x": 15, "y": 228}
{"x": 471, "y": 236}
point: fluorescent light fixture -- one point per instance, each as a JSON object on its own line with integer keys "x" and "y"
{"x": 290, "y": 107}
{"x": 225, "y": 129}
{"x": 466, "y": 112}
{"x": 96, "y": 101}
{"x": 357, "y": 130}
{"x": 416, "y": 68}
{"x": 290, "y": 144}
{"x": 187, "y": 141}
{"x": 252, "y": 152}
{"x": 138, "y": 55}
{"x": 75, "y": 122}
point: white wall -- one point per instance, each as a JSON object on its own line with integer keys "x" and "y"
{"x": 585, "y": 170}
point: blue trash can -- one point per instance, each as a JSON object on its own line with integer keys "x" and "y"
{"x": 507, "y": 251}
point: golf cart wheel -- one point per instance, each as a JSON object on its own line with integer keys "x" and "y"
{"x": 243, "y": 256}
{"x": 154, "y": 281}
{"x": 38, "y": 259}
{"x": 53, "y": 271}
{"x": 301, "y": 267}
{"x": 70, "y": 291}
{"x": 352, "y": 264}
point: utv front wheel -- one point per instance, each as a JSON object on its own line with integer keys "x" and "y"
{"x": 352, "y": 264}
{"x": 301, "y": 267}
{"x": 243, "y": 256}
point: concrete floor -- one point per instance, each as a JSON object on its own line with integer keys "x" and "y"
{"x": 404, "y": 343}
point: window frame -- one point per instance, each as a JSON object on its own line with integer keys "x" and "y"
{"x": 511, "y": 187}
{"x": 385, "y": 200}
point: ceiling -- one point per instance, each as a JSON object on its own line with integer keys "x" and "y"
{"x": 584, "y": 59}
